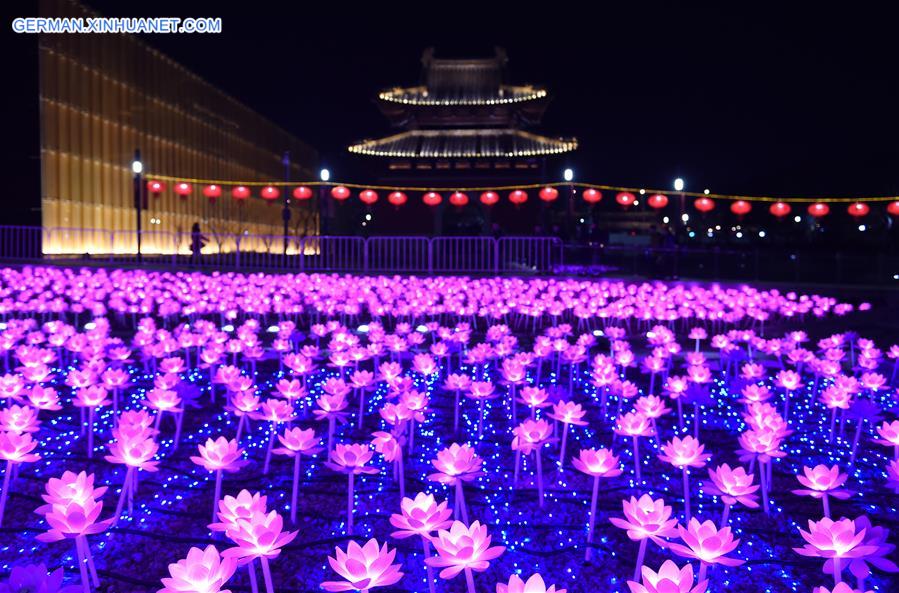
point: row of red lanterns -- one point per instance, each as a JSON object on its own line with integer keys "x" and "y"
{"x": 517, "y": 197}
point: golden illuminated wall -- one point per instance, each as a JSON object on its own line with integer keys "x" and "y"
{"x": 102, "y": 96}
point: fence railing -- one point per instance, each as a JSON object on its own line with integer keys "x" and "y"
{"x": 447, "y": 255}
{"x": 403, "y": 254}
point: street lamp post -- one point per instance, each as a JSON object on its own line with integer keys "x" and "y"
{"x": 324, "y": 175}
{"x": 679, "y": 186}
{"x": 285, "y": 213}
{"x": 568, "y": 175}
{"x": 137, "y": 168}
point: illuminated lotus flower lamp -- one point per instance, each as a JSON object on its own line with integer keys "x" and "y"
{"x": 653, "y": 407}
{"x": 162, "y": 400}
{"x": 789, "y": 381}
{"x": 669, "y": 578}
{"x": 889, "y": 436}
{"x": 91, "y": 398}
{"x": 567, "y": 413}
{"x": 531, "y": 436}
{"x": 646, "y": 519}
{"x": 136, "y": 452}
{"x": 684, "y": 453}
{"x": 332, "y": 405}
{"x": 836, "y": 541}
{"x": 481, "y": 391}
{"x": 700, "y": 376}
{"x": 457, "y": 464}
{"x": 275, "y": 411}
{"x": 390, "y": 446}
{"x": 115, "y": 380}
{"x": 363, "y": 567}
{"x": 463, "y": 548}
{"x": 599, "y": 463}
{"x": 634, "y": 425}
{"x": 732, "y": 486}
{"x": 706, "y": 543}
{"x": 202, "y": 570}
{"x": 421, "y": 516}
{"x": 210, "y": 359}
{"x": 534, "y": 584}
{"x": 15, "y": 448}
{"x": 297, "y": 442}
{"x": 351, "y": 460}
{"x": 417, "y": 403}
{"x": 514, "y": 373}
{"x": 362, "y": 381}
{"x": 676, "y": 387}
{"x": 698, "y": 334}
{"x": 261, "y": 536}
{"x": 457, "y": 383}
{"x": 761, "y": 445}
{"x": 220, "y": 455}
{"x": 822, "y": 482}
{"x": 72, "y": 511}
{"x": 36, "y": 577}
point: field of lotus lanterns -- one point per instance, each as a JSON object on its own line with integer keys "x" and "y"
{"x": 187, "y": 432}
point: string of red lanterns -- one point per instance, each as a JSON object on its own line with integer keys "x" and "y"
{"x": 548, "y": 194}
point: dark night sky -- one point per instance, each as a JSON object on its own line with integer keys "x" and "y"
{"x": 763, "y": 102}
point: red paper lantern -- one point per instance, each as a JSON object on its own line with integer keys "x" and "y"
{"x": 341, "y": 192}
{"x": 625, "y": 198}
{"x": 779, "y": 209}
{"x": 183, "y": 189}
{"x": 658, "y": 201}
{"x": 458, "y": 198}
{"x": 240, "y": 192}
{"x": 155, "y": 187}
{"x": 432, "y": 198}
{"x": 302, "y": 192}
{"x": 741, "y": 207}
{"x": 549, "y": 194}
{"x": 592, "y": 196}
{"x": 269, "y": 192}
{"x": 858, "y": 209}
{"x": 518, "y": 197}
{"x": 368, "y": 196}
{"x": 397, "y": 198}
{"x": 893, "y": 207}
{"x": 489, "y": 198}
{"x": 212, "y": 192}
{"x": 704, "y": 204}
{"x": 819, "y": 209}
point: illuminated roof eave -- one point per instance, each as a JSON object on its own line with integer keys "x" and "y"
{"x": 544, "y": 146}
{"x": 419, "y": 96}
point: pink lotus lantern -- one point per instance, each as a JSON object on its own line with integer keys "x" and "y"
{"x": 296, "y": 443}
{"x": 261, "y": 536}
{"x": 136, "y": 452}
{"x": 821, "y": 482}
{"x": 669, "y": 579}
{"x": 72, "y": 511}
{"x": 217, "y": 456}
{"x": 889, "y": 433}
{"x": 362, "y": 381}
{"x": 646, "y": 519}
{"x": 457, "y": 384}
{"x": 567, "y": 413}
{"x": 91, "y": 398}
{"x": 836, "y": 541}
{"x": 634, "y": 425}
{"x": 481, "y": 391}
{"x": 14, "y": 449}
{"x": 363, "y": 567}
{"x": 421, "y": 516}
{"x": 676, "y": 387}
{"x": 535, "y": 398}
{"x": 789, "y": 381}
{"x": 202, "y": 570}
{"x": 233, "y": 508}
{"x": 390, "y": 446}
{"x": 531, "y": 436}
{"x": 706, "y": 543}
{"x": 684, "y": 453}
{"x": 244, "y": 405}
{"x": 457, "y": 464}
{"x": 733, "y": 486}
{"x": 351, "y": 460}
{"x": 599, "y": 463}
{"x": 465, "y": 549}
{"x": 331, "y": 408}
{"x": 275, "y": 411}
{"x": 19, "y": 419}
{"x": 535, "y": 584}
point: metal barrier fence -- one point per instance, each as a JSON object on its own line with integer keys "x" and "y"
{"x": 404, "y": 255}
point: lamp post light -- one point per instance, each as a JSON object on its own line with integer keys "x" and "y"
{"x": 324, "y": 175}
{"x": 679, "y": 187}
{"x": 568, "y": 175}
{"x": 137, "y": 169}
{"x": 285, "y": 213}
